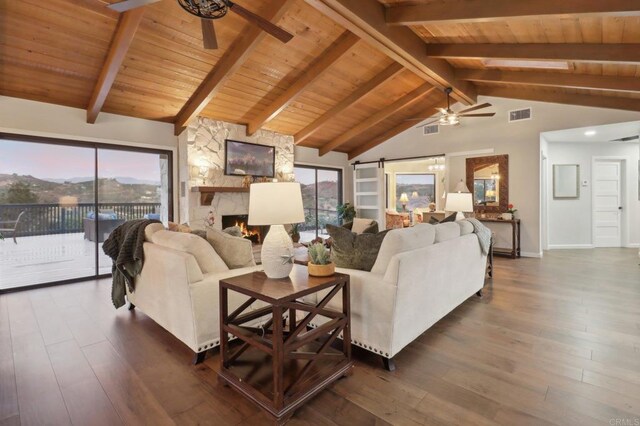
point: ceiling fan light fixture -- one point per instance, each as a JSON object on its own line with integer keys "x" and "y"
{"x": 207, "y": 9}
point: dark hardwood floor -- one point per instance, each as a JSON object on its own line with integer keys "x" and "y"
{"x": 553, "y": 341}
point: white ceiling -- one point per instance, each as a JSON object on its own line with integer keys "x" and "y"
{"x": 603, "y": 133}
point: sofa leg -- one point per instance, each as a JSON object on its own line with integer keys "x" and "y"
{"x": 389, "y": 364}
{"x": 131, "y": 306}
{"x": 199, "y": 357}
{"x": 479, "y": 293}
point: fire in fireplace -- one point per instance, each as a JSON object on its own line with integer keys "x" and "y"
{"x": 253, "y": 233}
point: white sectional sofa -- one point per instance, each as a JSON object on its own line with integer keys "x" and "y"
{"x": 421, "y": 274}
{"x": 178, "y": 287}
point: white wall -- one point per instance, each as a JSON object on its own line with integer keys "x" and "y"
{"x": 20, "y": 116}
{"x": 521, "y": 141}
{"x": 570, "y": 220}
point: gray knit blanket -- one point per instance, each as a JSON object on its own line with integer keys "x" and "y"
{"x": 483, "y": 233}
{"x": 125, "y": 248}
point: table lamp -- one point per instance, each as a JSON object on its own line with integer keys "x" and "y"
{"x": 275, "y": 204}
{"x": 404, "y": 199}
{"x": 459, "y": 202}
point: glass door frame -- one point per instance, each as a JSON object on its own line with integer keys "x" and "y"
{"x": 96, "y": 146}
{"x": 315, "y": 168}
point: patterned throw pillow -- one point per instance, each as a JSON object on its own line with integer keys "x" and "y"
{"x": 354, "y": 251}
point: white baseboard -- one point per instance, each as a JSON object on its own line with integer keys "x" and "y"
{"x": 633, "y": 245}
{"x": 569, "y": 246}
{"x": 531, "y": 254}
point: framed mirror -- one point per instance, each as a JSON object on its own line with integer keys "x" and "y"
{"x": 566, "y": 181}
{"x": 488, "y": 180}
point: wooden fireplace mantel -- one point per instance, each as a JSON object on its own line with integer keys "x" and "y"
{"x": 207, "y": 192}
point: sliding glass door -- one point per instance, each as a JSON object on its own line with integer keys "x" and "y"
{"x": 321, "y": 195}
{"x": 60, "y": 200}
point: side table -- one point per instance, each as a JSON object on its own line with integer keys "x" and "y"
{"x": 277, "y": 365}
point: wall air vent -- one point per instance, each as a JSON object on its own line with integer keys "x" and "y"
{"x": 431, "y": 129}
{"x": 520, "y": 114}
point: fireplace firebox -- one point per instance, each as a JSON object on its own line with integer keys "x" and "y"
{"x": 254, "y": 233}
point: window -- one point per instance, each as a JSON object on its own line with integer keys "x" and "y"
{"x": 484, "y": 192}
{"x": 321, "y": 194}
{"x": 420, "y": 190}
{"x": 61, "y": 200}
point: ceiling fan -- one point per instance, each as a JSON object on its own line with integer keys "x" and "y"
{"x": 626, "y": 139}
{"x": 448, "y": 117}
{"x": 207, "y": 11}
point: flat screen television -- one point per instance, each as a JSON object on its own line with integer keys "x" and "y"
{"x": 249, "y": 159}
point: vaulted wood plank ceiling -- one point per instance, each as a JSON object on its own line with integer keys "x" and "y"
{"x": 348, "y": 80}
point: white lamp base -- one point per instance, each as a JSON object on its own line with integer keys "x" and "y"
{"x": 276, "y": 244}
{"x": 460, "y": 216}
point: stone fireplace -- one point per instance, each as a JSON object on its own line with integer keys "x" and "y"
{"x": 254, "y": 233}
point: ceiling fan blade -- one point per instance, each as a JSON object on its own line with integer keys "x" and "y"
{"x": 486, "y": 114}
{"x": 123, "y": 6}
{"x": 265, "y": 24}
{"x": 476, "y": 107}
{"x": 443, "y": 110}
{"x": 209, "y": 39}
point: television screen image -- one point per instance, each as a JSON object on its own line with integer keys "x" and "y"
{"x": 249, "y": 159}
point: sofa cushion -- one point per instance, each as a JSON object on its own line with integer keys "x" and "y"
{"x": 152, "y": 229}
{"x": 236, "y": 252}
{"x": 354, "y": 251}
{"x": 466, "y": 227}
{"x": 447, "y": 231}
{"x": 360, "y": 225}
{"x": 401, "y": 240}
{"x": 205, "y": 255}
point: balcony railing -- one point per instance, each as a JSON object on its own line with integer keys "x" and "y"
{"x": 46, "y": 219}
{"x": 325, "y": 216}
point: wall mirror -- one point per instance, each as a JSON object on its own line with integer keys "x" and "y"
{"x": 566, "y": 181}
{"x": 488, "y": 180}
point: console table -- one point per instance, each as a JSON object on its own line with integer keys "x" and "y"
{"x": 514, "y": 251}
{"x": 280, "y": 366}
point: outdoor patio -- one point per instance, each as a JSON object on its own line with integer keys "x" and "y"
{"x": 46, "y": 258}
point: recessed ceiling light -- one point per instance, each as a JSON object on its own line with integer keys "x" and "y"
{"x": 590, "y": 133}
{"x": 519, "y": 63}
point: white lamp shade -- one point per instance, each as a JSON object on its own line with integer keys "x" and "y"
{"x": 404, "y": 198}
{"x": 461, "y": 187}
{"x": 459, "y": 202}
{"x": 275, "y": 203}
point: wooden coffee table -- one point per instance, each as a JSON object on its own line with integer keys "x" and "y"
{"x": 281, "y": 364}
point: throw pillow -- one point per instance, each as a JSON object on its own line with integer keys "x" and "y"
{"x": 450, "y": 218}
{"x": 433, "y": 221}
{"x": 360, "y": 225}
{"x": 234, "y": 231}
{"x": 354, "y": 251}
{"x": 176, "y": 227}
{"x": 236, "y": 252}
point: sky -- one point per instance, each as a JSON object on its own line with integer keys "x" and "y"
{"x": 415, "y": 178}
{"x": 66, "y": 162}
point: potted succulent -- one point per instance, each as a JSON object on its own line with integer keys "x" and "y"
{"x": 295, "y": 232}
{"x": 510, "y": 212}
{"x": 346, "y": 212}
{"x": 320, "y": 264}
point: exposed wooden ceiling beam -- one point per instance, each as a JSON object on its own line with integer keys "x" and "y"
{"x": 461, "y": 11}
{"x": 622, "y": 53}
{"x": 227, "y": 65}
{"x": 385, "y": 75}
{"x": 366, "y": 18}
{"x": 611, "y": 102}
{"x": 329, "y": 57}
{"x": 374, "y": 119}
{"x": 405, "y": 125}
{"x": 576, "y": 81}
{"x": 126, "y": 28}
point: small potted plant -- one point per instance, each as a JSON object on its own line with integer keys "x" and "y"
{"x": 346, "y": 212}
{"x": 295, "y": 232}
{"x": 320, "y": 264}
{"x": 510, "y": 212}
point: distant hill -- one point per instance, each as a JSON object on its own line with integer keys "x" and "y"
{"x": 121, "y": 179}
{"x": 110, "y": 190}
{"x": 327, "y": 195}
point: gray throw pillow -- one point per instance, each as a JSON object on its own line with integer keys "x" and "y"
{"x": 354, "y": 251}
{"x": 234, "y": 231}
{"x": 236, "y": 252}
{"x": 371, "y": 229}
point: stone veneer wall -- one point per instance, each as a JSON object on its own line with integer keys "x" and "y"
{"x": 205, "y": 148}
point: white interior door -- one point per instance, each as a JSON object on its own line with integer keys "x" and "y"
{"x": 607, "y": 203}
{"x": 369, "y": 194}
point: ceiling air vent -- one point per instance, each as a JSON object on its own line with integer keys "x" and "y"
{"x": 520, "y": 114}
{"x": 431, "y": 129}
